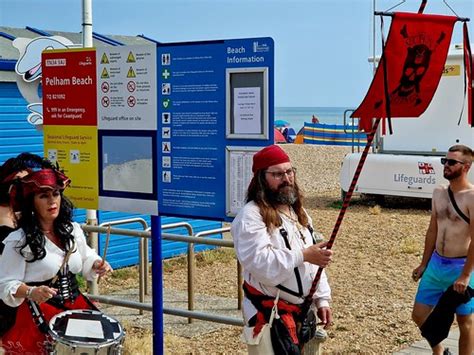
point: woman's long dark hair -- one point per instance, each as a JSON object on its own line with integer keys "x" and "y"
{"x": 34, "y": 236}
{"x": 257, "y": 192}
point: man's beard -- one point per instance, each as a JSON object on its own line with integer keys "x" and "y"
{"x": 285, "y": 195}
{"x": 451, "y": 175}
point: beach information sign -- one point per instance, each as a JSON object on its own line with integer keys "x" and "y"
{"x": 212, "y": 95}
{"x": 127, "y": 123}
{"x": 100, "y": 125}
{"x": 70, "y": 120}
{"x": 168, "y": 129}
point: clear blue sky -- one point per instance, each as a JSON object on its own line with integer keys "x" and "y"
{"x": 321, "y": 46}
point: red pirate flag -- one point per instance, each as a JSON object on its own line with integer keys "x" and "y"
{"x": 410, "y": 68}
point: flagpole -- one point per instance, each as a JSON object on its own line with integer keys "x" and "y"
{"x": 348, "y": 195}
{"x": 373, "y": 37}
{"x": 342, "y": 212}
{"x": 91, "y": 215}
{"x": 391, "y": 14}
{"x": 87, "y": 40}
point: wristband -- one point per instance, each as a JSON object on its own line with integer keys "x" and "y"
{"x": 29, "y": 292}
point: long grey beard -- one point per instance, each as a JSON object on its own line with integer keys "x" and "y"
{"x": 286, "y": 196}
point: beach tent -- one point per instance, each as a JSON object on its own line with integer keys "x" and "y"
{"x": 278, "y": 137}
{"x": 289, "y": 134}
{"x": 300, "y": 136}
{"x": 281, "y": 123}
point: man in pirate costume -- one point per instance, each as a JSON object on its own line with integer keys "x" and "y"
{"x": 40, "y": 260}
{"x": 276, "y": 245}
{"x": 448, "y": 257}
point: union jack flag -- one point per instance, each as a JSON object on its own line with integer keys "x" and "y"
{"x": 425, "y": 168}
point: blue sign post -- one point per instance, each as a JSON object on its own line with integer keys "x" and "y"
{"x": 157, "y": 301}
{"x": 215, "y": 108}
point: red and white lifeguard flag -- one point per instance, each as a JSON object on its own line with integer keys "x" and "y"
{"x": 425, "y": 168}
{"x": 412, "y": 63}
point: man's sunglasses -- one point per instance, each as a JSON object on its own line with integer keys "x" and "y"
{"x": 450, "y": 162}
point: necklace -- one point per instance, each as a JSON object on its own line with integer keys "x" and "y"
{"x": 52, "y": 237}
{"x": 289, "y": 216}
{"x": 47, "y": 232}
{"x": 295, "y": 221}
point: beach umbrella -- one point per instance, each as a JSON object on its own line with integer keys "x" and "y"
{"x": 281, "y": 123}
{"x": 278, "y": 136}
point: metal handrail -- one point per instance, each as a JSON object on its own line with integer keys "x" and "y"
{"x": 192, "y": 265}
{"x": 207, "y": 241}
{"x": 352, "y": 130}
{"x": 143, "y": 246}
{"x": 189, "y": 228}
{"x": 240, "y": 292}
{"x": 177, "y": 225}
{"x": 190, "y": 262}
{"x": 204, "y": 316}
{"x": 172, "y": 311}
{"x": 126, "y": 221}
{"x": 142, "y": 252}
{"x": 119, "y": 231}
{"x": 189, "y": 239}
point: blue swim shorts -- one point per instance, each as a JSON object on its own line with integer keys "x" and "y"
{"x": 441, "y": 273}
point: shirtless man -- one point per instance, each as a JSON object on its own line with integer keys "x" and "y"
{"x": 448, "y": 256}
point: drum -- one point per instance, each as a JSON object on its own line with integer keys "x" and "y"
{"x": 85, "y": 332}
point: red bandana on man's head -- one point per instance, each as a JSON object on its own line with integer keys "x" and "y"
{"x": 44, "y": 179}
{"x": 268, "y": 156}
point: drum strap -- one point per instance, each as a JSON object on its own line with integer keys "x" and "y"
{"x": 63, "y": 268}
{"x": 38, "y": 318}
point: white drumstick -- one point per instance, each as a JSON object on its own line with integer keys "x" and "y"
{"x": 104, "y": 255}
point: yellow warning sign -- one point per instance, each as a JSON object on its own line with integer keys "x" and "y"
{"x": 105, "y": 74}
{"x": 104, "y": 59}
{"x": 130, "y": 58}
{"x": 131, "y": 73}
{"x": 452, "y": 70}
{"x": 78, "y": 155}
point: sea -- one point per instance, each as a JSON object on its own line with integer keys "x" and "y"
{"x": 297, "y": 116}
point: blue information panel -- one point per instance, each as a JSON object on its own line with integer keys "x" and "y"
{"x": 211, "y": 95}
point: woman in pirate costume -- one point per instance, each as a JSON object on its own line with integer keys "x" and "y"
{"x": 12, "y": 169}
{"x": 40, "y": 260}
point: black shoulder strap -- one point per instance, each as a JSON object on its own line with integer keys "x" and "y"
{"x": 311, "y": 231}
{"x": 38, "y": 318}
{"x": 284, "y": 234}
{"x": 456, "y": 207}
